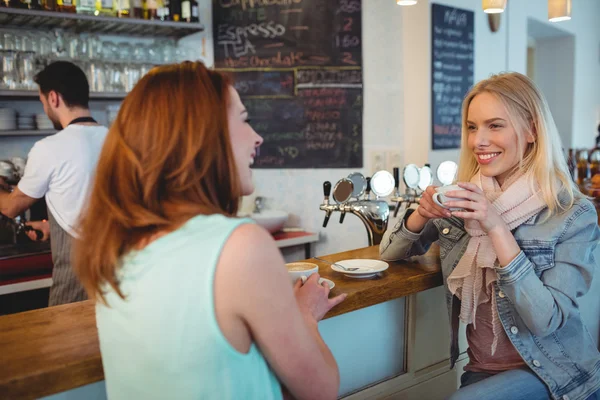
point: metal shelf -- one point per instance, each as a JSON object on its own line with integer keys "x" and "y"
{"x": 32, "y": 132}
{"x": 45, "y": 20}
{"x": 35, "y": 94}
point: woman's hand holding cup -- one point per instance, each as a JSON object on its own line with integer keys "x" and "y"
{"x": 313, "y": 298}
{"x": 429, "y": 208}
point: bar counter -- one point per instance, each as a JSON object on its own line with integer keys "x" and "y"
{"x": 55, "y": 349}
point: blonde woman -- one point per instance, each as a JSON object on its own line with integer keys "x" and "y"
{"x": 518, "y": 247}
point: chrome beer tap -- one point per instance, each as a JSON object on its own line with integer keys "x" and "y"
{"x": 411, "y": 176}
{"x": 373, "y": 213}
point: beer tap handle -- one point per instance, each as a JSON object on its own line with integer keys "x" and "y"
{"x": 398, "y": 204}
{"x": 326, "y": 220}
{"x": 326, "y": 189}
{"x": 342, "y": 215}
{"x": 396, "y": 178}
{"x": 368, "y": 190}
{"x": 326, "y": 193}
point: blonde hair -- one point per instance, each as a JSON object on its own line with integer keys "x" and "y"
{"x": 543, "y": 161}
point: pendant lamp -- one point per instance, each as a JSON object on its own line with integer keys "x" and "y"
{"x": 493, "y": 6}
{"x": 559, "y": 10}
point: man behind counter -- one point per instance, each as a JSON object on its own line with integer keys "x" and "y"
{"x": 60, "y": 167}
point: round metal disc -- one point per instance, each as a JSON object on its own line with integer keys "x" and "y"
{"x": 382, "y": 183}
{"x": 446, "y": 172}
{"x": 343, "y": 190}
{"x": 411, "y": 176}
{"x": 425, "y": 177}
{"x": 359, "y": 182}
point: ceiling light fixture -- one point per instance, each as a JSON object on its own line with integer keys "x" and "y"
{"x": 559, "y": 10}
{"x": 493, "y": 6}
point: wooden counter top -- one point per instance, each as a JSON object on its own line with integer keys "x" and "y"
{"x": 55, "y": 349}
{"x": 400, "y": 279}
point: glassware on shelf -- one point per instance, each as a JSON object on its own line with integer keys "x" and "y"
{"x": 86, "y": 7}
{"x": 124, "y": 52}
{"x": 132, "y": 74}
{"x": 8, "y": 70}
{"x": 109, "y": 66}
{"x": 26, "y": 70}
{"x": 9, "y": 41}
{"x": 96, "y": 73}
{"x": 109, "y": 51}
{"x": 46, "y": 45}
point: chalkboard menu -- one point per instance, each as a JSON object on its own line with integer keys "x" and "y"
{"x": 297, "y": 65}
{"x": 452, "y": 61}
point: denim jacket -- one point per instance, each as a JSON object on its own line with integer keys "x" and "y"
{"x": 536, "y": 293}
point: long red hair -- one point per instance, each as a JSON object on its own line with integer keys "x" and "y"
{"x": 166, "y": 158}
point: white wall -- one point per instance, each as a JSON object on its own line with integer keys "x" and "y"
{"x": 555, "y": 77}
{"x": 586, "y": 29}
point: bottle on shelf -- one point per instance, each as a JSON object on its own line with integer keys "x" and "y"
{"x": 195, "y": 12}
{"x": 186, "y": 10}
{"x": 49, "y": 5}
{"x": 152, "y": 9}
{"x": 138, "y": 8}
{"x": 595, "y": 162}
{"x": 121, "y": 8}
{"x": 175, "y": 10}
{"x": 583, "y": 167}
{"x": 572, "y": 163}
{"x": 163, "y": 10}
{"x": 68, "y": 6}
{"x": 13, "y": 3}
{"x": 105, "y": 7}
{"x": 34, "y": 5}
{"x": 86, "y": 7}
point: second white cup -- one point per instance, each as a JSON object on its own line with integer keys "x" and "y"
{"x": 299, "y": 270}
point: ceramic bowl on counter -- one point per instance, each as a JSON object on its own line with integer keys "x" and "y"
{"x": 272, "y": 220}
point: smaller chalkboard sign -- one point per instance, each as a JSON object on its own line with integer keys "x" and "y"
{"x": 452, "y": 73}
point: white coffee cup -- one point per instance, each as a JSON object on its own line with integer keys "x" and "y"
{"x": 440, "y": 196}
{"x": 301, "y": 270}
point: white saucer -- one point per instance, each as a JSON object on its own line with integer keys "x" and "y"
{"x": 329, "y": 282}
{"x": 368, "y": 268}
{"x": 321, "y": 280}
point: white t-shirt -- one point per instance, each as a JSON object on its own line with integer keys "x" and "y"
{"x": 61, "y": 167}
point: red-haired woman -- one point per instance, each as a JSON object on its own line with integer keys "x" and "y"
{"x": 193, "y": 303}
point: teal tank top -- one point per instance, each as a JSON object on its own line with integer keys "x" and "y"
{"x": 163, "y": 340}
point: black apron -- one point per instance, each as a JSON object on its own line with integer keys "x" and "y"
{"x": 65, "y": 285}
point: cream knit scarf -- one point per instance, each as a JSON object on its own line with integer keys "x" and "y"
{"x": 472, "y": 281}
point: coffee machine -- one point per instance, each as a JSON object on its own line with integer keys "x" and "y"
{"x": 13, "y": 231}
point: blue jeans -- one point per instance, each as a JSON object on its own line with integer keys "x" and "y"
{"x": 517, "y": 384}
